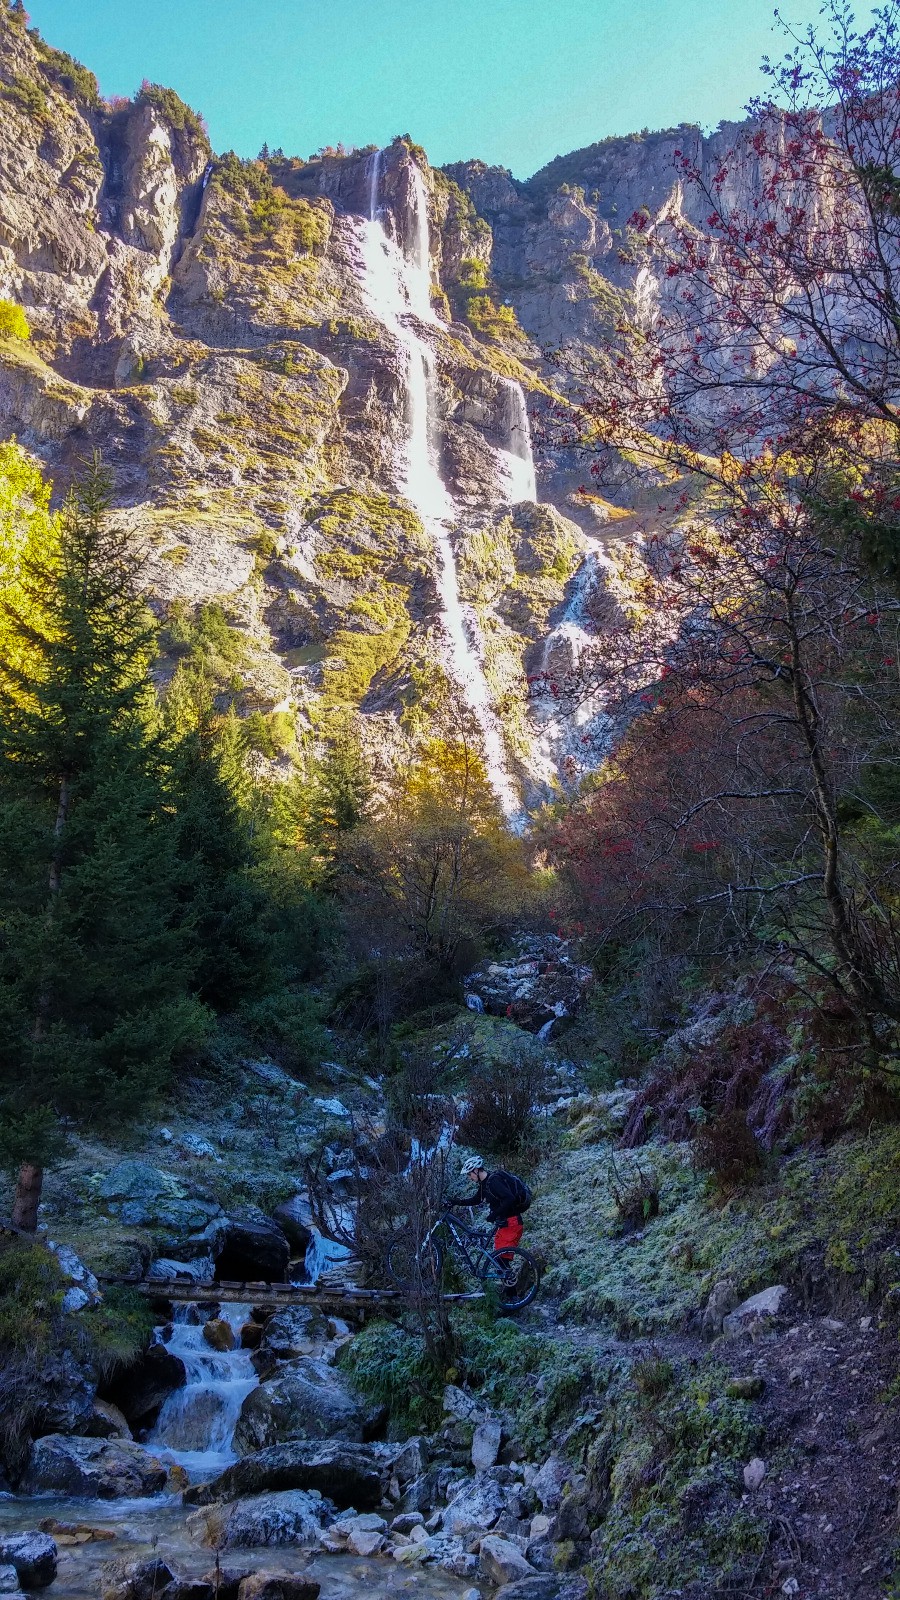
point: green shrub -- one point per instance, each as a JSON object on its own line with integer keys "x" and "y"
{"x": 495, "y": 322}
{"x": 13, "y": 322}
{"x": 78, "y": 80}
{"x": 28, "y": 95}
{"x": 176, "y": 112}
{"x": 286, "y": 1026}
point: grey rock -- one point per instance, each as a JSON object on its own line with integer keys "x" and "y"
{"x": 137, "y": 1180}
{"x": 66, "y": 1394}
{"x": 573, "y": 1519}
{"x": 759, "y": 1308}
{"x": 475, "y": 1507}
{"x": 550, "y": 1480}
{"x": 406, "y": 1521}
{"x": 464, "y": 1407}
{"x": 92, "y": 1469}
{"x": 249, "y": 1247}
{"x": 306, "y": 1400}
{"x": 364, "y": 1541}
{"x": 295, "y": 1220}
{"x": 84, "y": 1290}
{"x": 347, "y": 1474}
{"x": 364, "y": 1522}
{"x": 486, "y": 1444}
{"x": 140, "y": 1389}
{"x": 165, "y": 1270}
{"x": 278, "y": 1586}
{"x": 293, "y": 1516}
{"x": 411, "y": 1462}
{"x": 502, "y": 1561}
{"x": 294, "y": 1331}
{"x": 754, "y": 1473}
{"x": 451, "y": 1556}
{"x": 720, "y": 1302}
{"x": 543, "y": 1586}
{"x": 9, "y": 1583}
{"x": 107, "y": 1422}
{"x": 136, "y": 1580}
{"x": 422, "y": 1493}
{"x": 34, "y": 1556}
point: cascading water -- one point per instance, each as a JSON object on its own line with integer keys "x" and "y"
{"x": 577, "y": 742}
{"x": 196, "y": 1424}
{"x": 397, "y": 286}
{"x": 518, "y": 457}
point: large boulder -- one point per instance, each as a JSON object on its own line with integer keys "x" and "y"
{"x": 293, "y": 1331}
{"x": 92, "y": 1469}
{"x": 307, "y": 1400}
{"x": 295, "y": 1220}
{"x": 278, "y": 1586}
{"x": 291, "y": 1517}
{"x": 141, "y": 1389}
{"x": 136, "y": 1580}
{"x": 250, "y": 1248}
{"x": 502, "y": 1561}
{"x": 760, "y": 1308}
{"x": 475, "y": 1507}
{"x": 348, "y": 1474}
{"x": 66, "y": 1394}
{"x": 142, "y": 1196}
{"x": 34, "y": 1556}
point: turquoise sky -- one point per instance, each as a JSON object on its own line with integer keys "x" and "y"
{"x": 512, "y": 81}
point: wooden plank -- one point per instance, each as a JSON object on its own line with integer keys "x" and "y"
{"x": 347, "y": 1296}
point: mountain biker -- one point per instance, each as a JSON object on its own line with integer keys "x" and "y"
{"x": 505, "y": 1196}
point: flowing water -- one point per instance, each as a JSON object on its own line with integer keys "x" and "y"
{"x": 196, "y": 1425}
{"x": 397, "y": 288}
{"x": 142, "y": 1528}
{"x": 517, "y": 459}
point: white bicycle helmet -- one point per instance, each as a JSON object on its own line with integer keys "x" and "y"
{"x": 472, "y": 1164}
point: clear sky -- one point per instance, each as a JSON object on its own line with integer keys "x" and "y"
{"x": 512, "y": 81}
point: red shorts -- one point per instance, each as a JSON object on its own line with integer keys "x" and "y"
{"x": 508, "y": 1234}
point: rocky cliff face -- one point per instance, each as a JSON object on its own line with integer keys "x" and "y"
{"x": 212, "y": 327}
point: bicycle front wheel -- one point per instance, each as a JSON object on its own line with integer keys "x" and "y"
{"x": 515, "y": 1274}
{"x": 416, "y": 1268}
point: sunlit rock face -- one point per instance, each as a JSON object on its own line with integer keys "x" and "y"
{"x": 315, "y": 383}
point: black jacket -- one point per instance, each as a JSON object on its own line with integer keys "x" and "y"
{"x": 500, "y": 1192}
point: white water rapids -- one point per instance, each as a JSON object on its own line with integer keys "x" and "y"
{"x": 397, "y": 290}
{"x": 196, "y": 1424}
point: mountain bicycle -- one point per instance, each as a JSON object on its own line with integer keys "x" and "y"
{"x": 514, "y": 1273}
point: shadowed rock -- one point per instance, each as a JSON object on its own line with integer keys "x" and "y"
{"x": 348, "y": 1474}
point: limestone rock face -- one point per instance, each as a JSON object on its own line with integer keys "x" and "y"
{"x": 207, "y": 325}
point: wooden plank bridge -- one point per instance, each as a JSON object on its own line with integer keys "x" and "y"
{"x": 333, "y": 1296}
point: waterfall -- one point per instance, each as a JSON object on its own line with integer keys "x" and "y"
{"x": 397, "y": 286}
{"x": 578, "y": 742}
{"x": 196, "y": 1424}
{"x": 323, "y": 1255}
{"x": 517, "y": 458}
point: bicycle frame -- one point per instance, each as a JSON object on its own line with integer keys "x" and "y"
{"x": 466, "y": 1240}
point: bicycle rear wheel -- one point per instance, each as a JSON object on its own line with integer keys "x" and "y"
{"x": 417, "y": 1268}
{"x": 515, "y": 1274}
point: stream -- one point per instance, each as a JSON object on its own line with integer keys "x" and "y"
{"x": 195, "y": 1431}
{"x": 135, "y": 1529}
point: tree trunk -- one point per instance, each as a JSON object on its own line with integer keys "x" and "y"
{"x": 28, "y": 1197}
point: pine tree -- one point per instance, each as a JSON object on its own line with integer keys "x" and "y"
{"x": 94, "y": 958}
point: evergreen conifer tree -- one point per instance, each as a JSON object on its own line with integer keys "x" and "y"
{"x": 95, "y": 959}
